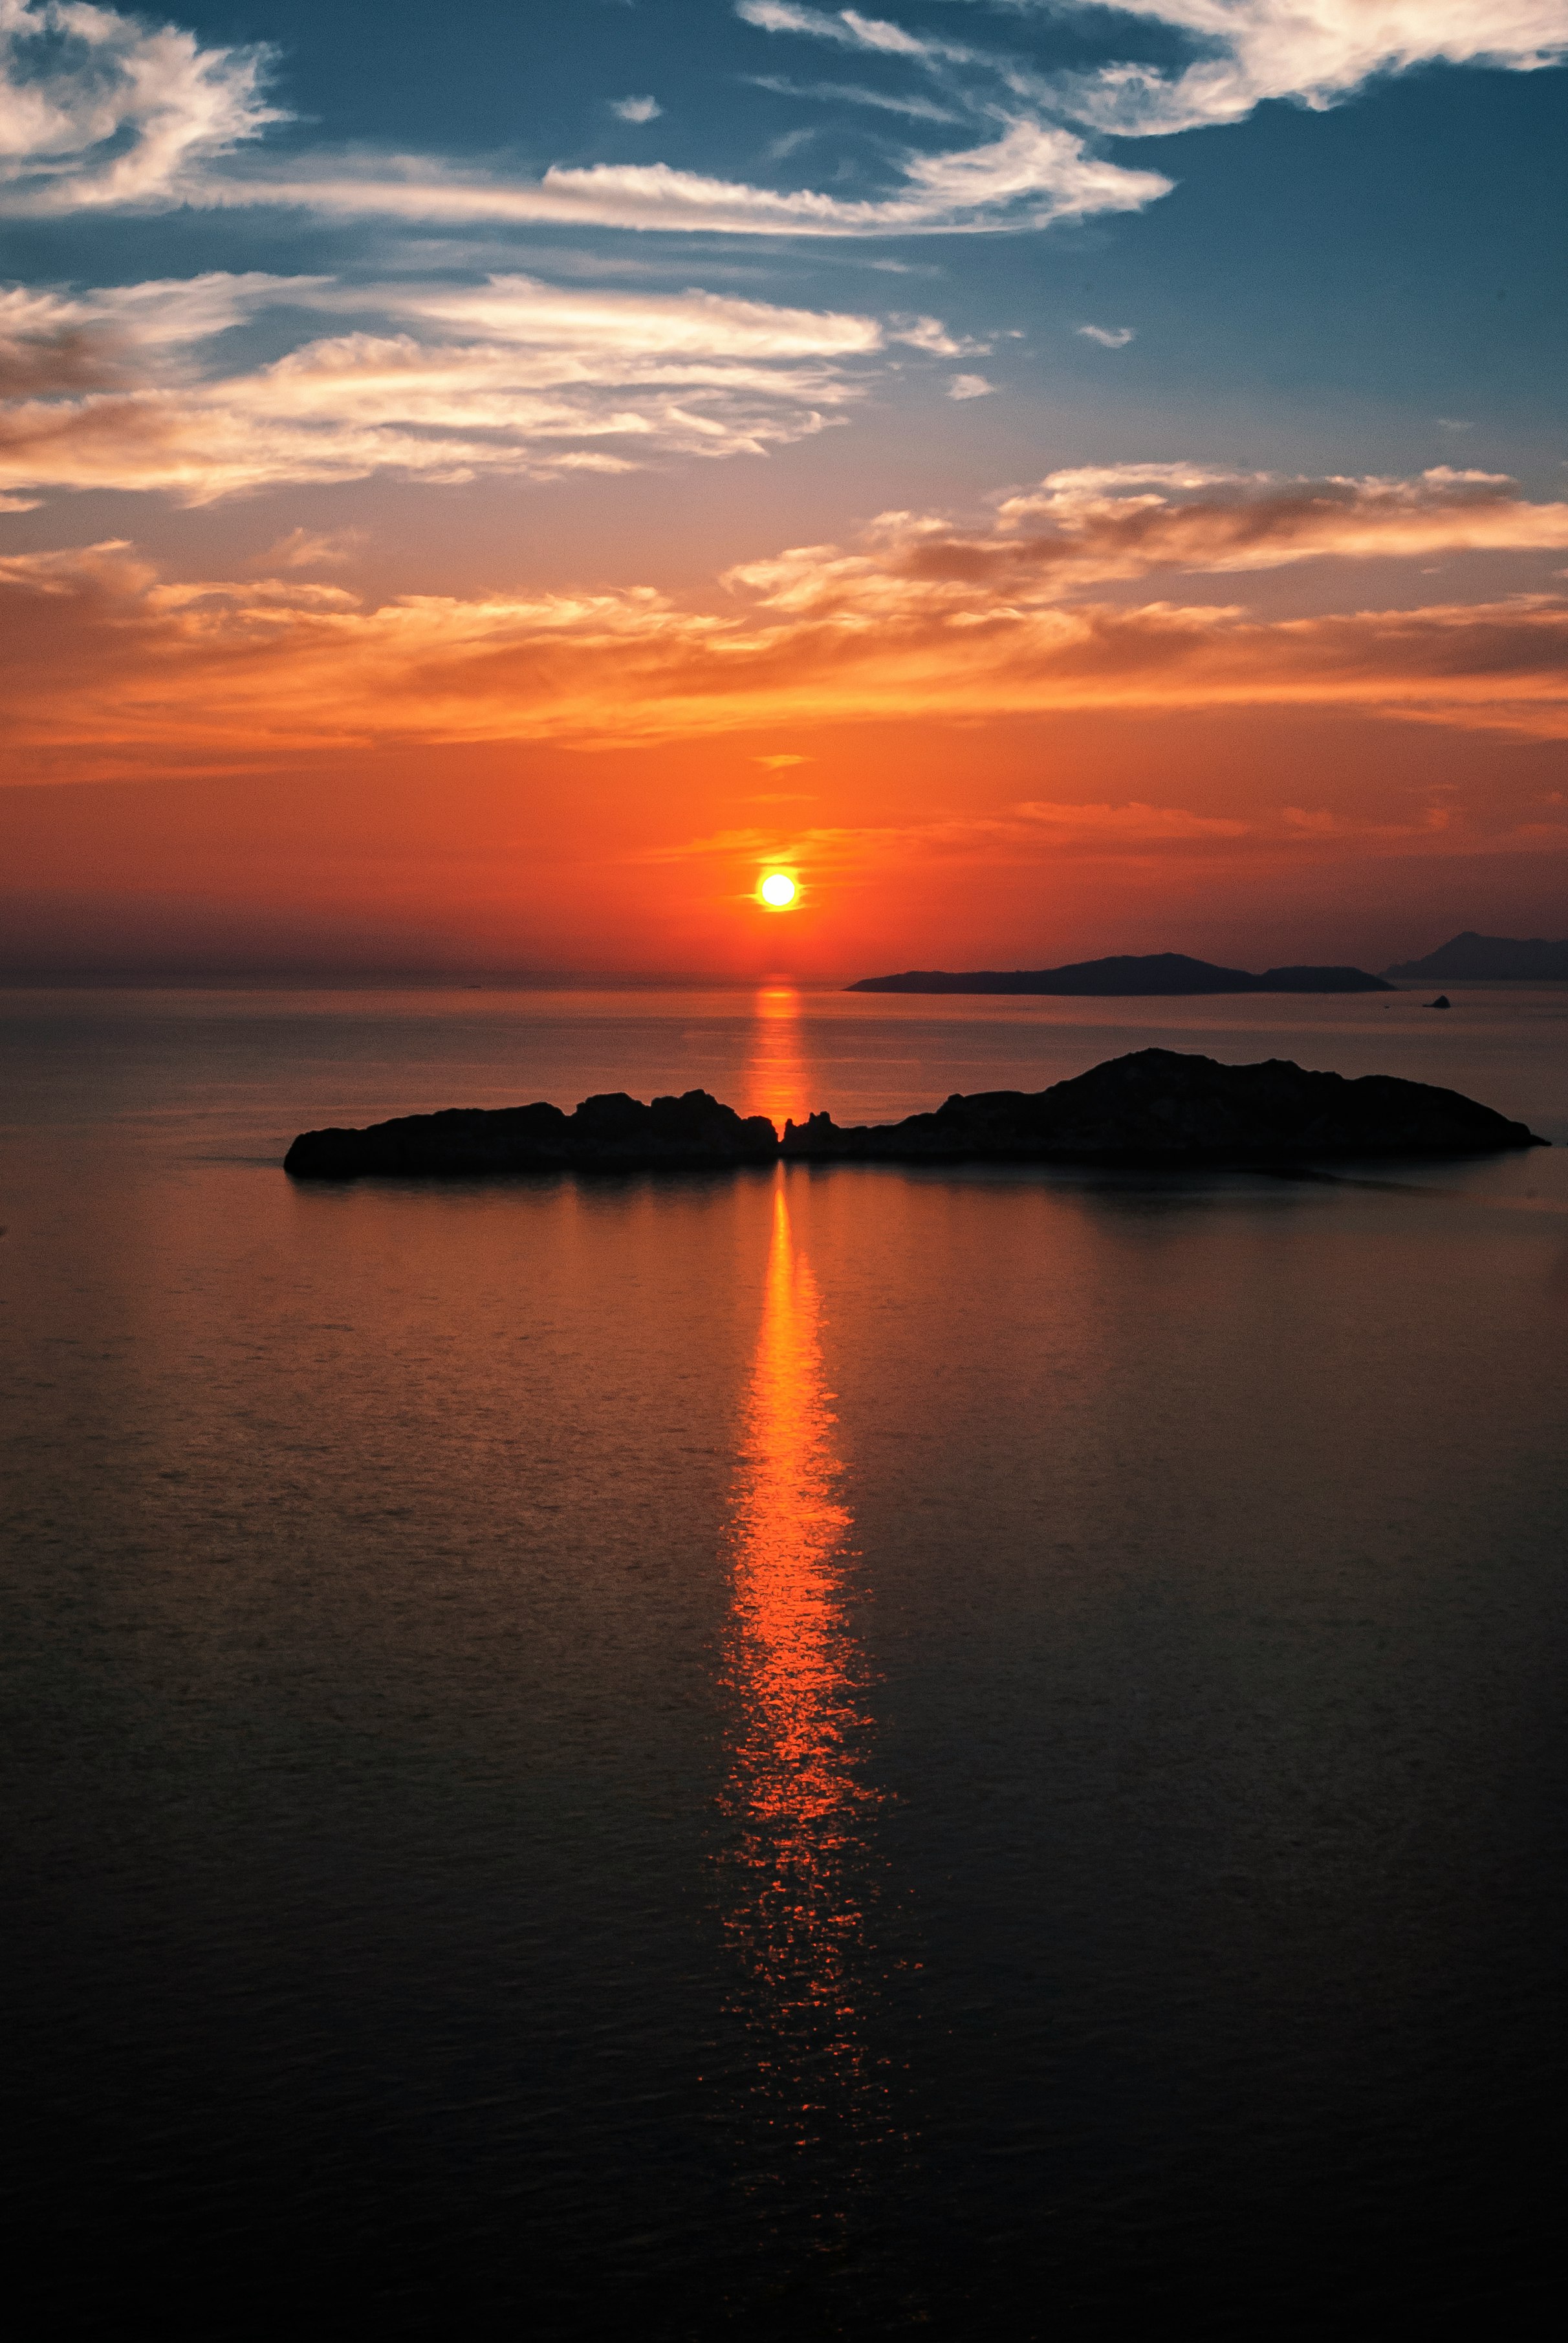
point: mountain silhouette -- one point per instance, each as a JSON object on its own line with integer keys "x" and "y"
{"x": 1169, "y": 973}
{"x": 1484, "y": 957}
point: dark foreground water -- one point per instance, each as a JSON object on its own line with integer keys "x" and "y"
{"x": 842, "y": 1752}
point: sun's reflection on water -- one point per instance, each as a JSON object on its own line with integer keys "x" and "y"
{"x": 776, "y": 1082}
{"x": 798, "y": 1866}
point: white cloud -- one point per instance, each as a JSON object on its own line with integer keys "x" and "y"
{"x": 1315, "y": 52}
{"x": 1110, "y": 337}
{"x": 522, "y": 310}
{"x": 1030, "y": 175}
{"x": 100, "y": 108}
{"x": 970, "y": 386}
{"x": 845, "y": 27}
{"x": 930, "y": 334}
{"x": 119, "y": 389}
{"x": 836, "y": 93}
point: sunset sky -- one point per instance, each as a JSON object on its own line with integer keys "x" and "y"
{"x": 480, "y": 487}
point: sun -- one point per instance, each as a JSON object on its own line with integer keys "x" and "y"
{"x": 778, "y": 890}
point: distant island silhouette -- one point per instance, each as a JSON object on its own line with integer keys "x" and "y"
{"x": 1170, "y": 973}
{"x": 1490, "y": 958}
{"x": 1154, "y": 1107}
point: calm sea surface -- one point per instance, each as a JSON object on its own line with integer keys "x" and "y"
{"x": 846, "y": 1751}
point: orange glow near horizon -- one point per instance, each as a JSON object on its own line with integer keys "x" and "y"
{"x": 466, "y": 857}
{"x": 986, "y": 764}
{"x": 796, "y": 1866}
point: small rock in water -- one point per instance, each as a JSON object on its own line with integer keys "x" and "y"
{"x": 1443, "y": 1002}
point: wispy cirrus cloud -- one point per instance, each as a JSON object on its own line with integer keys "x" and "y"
{"x": 1313, "y": 52}
{"x": 311, "y": 549}
{"x": 913, "y": 107}
{"x": 1032, "y": 173}
{"x": 849, "y": 29}
{"x": 449, "y": 382}
{"x": 99, "y": 108}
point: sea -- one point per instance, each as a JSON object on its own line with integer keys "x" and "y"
{"x": 840, "y": 1750}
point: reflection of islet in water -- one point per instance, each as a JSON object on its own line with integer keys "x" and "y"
{"x": 799, "y": 1870}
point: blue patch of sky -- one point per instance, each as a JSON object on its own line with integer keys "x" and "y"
{"x": 1334, "y": 280}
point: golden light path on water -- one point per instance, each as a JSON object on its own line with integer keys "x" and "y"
{"x": 798, "y": 1868}
{"x": 776, "y": 1083}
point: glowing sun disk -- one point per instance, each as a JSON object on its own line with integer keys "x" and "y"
{"x": 779, "y": 890}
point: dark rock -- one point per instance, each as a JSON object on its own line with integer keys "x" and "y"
{"x": 1172, "y": 974}
{"x": 1159, "y": 1107}
{"x": 1443, "y": 1002}
{"x": 1156, "y": 1107}
{"x": 613, "y": 1133}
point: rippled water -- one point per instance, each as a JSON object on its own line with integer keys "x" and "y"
{"x": 843, "y": 1750}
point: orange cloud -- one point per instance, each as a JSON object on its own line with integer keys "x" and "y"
{"x": 102, "y": 651}
{"x": 1125, "y": 521}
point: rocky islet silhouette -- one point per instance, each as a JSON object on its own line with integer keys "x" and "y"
{"x": 1153, "y": 1108}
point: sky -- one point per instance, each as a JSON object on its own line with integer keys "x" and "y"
{"x": 481, "y": 487}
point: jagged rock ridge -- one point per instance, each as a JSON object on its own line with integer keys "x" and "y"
{"x": 610, "y": 1133}
{"x": 1155, "y": 1107}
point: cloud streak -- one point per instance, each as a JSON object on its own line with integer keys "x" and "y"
{"x": 444, "y": 382}
{"x": 100, "y": 110}
{"x": 1048, "y": 832}
{"x": 1313, "y": 52}
{"x": 107, "y": 655}
{"x": 1094, "y": 525}
{"x": 1030, "y": 175}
